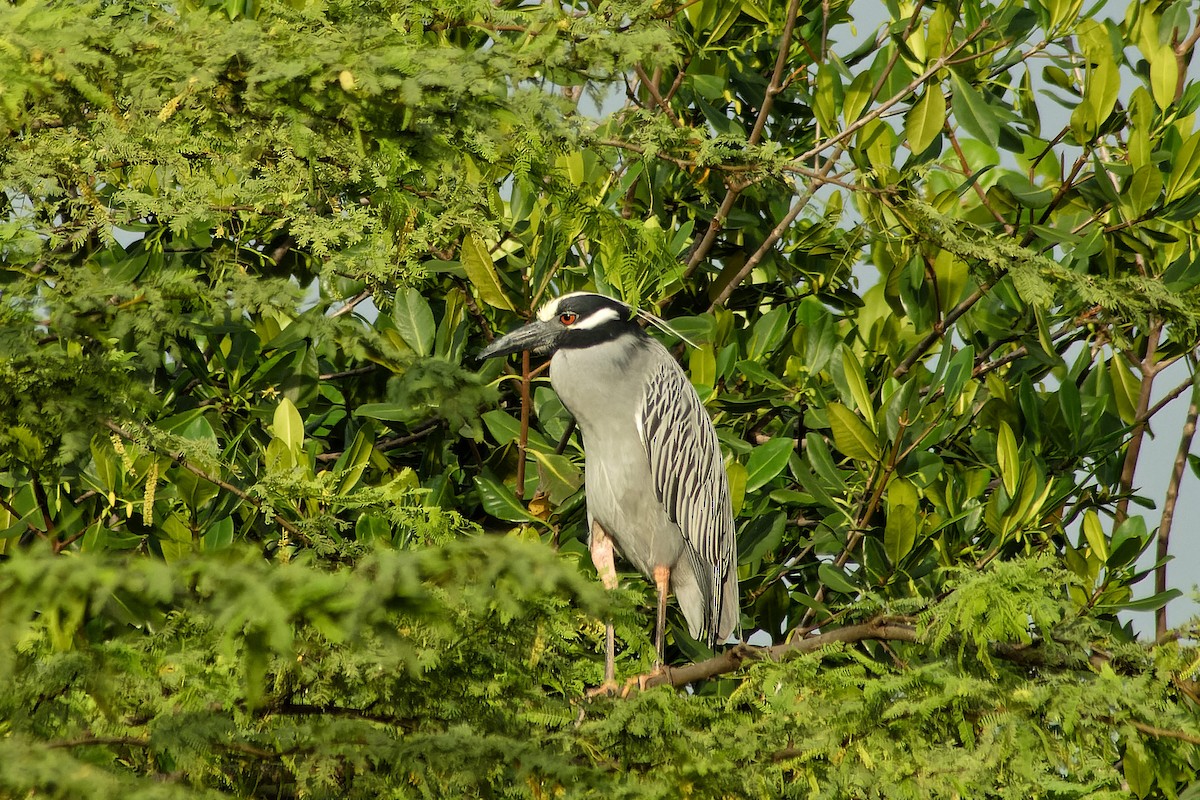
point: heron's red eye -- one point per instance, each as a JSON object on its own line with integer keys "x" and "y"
{"x": 568, "y": 318}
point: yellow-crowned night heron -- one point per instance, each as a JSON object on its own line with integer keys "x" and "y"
{"x": 656, "y": 483}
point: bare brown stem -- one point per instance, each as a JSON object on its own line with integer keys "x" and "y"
{"x": 776, "y": 232}
{"x": 349, "y": 305}
{"x": 1147, "y": 366}
{"x": 1163, "y": 546}
{"x": 523, "y": 441}
{"x": 880, "y": 628}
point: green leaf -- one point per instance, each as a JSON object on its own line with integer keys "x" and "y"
{"x": 288, "y": 427}
{"x": 834, "y": 577}
{"x": 1102, "y": 80}
{"x": 498, "y": 501}
{"x": 761, "y": 536}
{"x": 766, "y": 461}
{"x": 218, "y": 536}
{"x": 1125, "y": 389}
{"x": 1008, "y": 458}
{"x": 703, "y": 366}
{"x": 973, "y": 113}
{"x": 559, "y": 474}
{"x": 481, "y": 272}
{"x": 925, "y": 119}
{"x": 851, "y": 435}
{"x": 353, "y": 461}
{"x": 388, "y": 412}
{"x": 737, "y": 485}
{"x": 958, "y": 372}
{"x": 506, "y": 429}
{"x": 1164, "y": 75}
{"x": 768, "y": 333}
{"x": 1184, "y": 168}
{"x": 858, "y": 385}
{"x": 900, "y": 530}
{"x": 1094, "y": 534}
{"x": 857, "y": 95}
{"x": 1025, "y": 192}
{"x": 1154, "y": 602}
{"x": 414, "y": 321}
{"x": 1139, "y": 772}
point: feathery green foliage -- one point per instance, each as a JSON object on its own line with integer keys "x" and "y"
{"x": 269, "y": 530}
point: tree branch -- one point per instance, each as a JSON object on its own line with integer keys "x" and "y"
{"x": 939, "y": 330}
{"x": 1147, "y": 368}
{"x": 881, "y": 628}
{"x": 1163, "y": 547}
{"x": 700, "y": 251}
{"x": 349, "y": 305}
{"x": 776, "y": 232}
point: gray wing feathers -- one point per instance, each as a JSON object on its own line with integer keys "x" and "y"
{"x": 689, "y": 480}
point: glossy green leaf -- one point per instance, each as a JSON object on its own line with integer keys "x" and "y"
{"x": 288, "y": 426}
{"x": 858, "y": 386}
{"x": 1139, "y": 772}
{"x": 481, "y": 272}
{"x": 834, "y": 577}
{"x": 219, "y": 536}
{"x": 851, "y": 435}
{"x": 1125, "y": 389}
{"x": 414, "y": 321}
{"x": 1008, "y": 458}
{"x": 560, "y": 476}
{"x": 924, "y": 121}
{"x": 499, "y": 501}
{"x": 900, "y": 529}
{"x": 737, "y": 476}
{"x": 1154, "y": 602}
{"x": 766, "y": 461}
{"x": 972, "y": 112}
{"x": 1164, "y": 75}
{"x": 353, "y": 461}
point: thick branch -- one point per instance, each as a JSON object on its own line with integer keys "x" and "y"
{"x": 880, "y": 628}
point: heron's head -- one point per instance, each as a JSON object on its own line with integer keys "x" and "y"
{"x": 579, "y": 319}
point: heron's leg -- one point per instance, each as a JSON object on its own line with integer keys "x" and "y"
{"x": 602, "y": 556}
{"x": 662, "y": 580}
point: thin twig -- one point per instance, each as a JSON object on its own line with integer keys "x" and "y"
{"x": 383, "y": 445}
{"x": 1163, "y": 548}
{"x": 1147, "y": 366}
{"x": 939, "y": 331}
{"x": 523, "y": 440}
{"x": 776, "y": 233}
{"x": 349, "y": 305}
{"x": 350, "y": 373}
{"x": 652, "y": 88}
{"x": 18, "y": 516}
{"x": 1167, "y": 399}
{"x": 733, "y": 190}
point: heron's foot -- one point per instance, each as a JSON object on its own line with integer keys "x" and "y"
{"x": 610, "y": 688}
{"x": 642, "y": 682}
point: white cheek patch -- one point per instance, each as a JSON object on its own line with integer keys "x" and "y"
{"x": 597, "y": 319}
